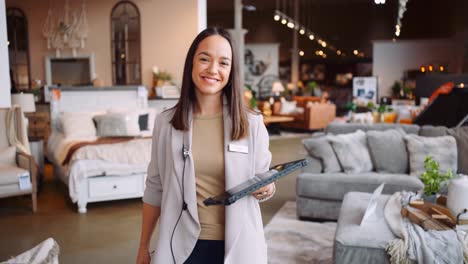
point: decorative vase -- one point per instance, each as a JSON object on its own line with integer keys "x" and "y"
{"x": 430, "y": 198}
{"x": 457, "y": 198}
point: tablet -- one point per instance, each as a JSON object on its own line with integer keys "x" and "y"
{"x": 259, "y": 180}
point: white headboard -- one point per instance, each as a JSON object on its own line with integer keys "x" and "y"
{"x": 97, "y": 99}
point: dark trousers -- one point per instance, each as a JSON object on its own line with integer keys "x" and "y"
{"x": 207, "y": 251}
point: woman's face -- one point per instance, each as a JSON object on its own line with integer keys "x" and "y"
{"x": 211, "y": 65}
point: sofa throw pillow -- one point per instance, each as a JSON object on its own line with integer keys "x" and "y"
{"x": 117, "y": 125}
{"x": 388, "y": 150}
{"x": 441, "y": 149}
{"x": 351, "y": 150}
{"x": 320, "y": 148}
{"x": 461, "y": 137}
{"x": 8, "y": 156}
{"x": 78, "y": 124}
{"x": 288, "y": 107}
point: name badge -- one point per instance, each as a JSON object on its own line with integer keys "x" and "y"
{"x": 238, "y": 148}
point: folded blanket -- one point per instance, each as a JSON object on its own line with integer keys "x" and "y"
{"x": 416, "y": 245}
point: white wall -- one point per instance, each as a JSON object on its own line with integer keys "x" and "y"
{"x": 5, "y": 98}
{"x": 392, "y": 59}
{"x": 167, "y": 30}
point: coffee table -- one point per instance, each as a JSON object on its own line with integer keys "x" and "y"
{"x": 361, "y": 244}
{"x": 273, "y": 122}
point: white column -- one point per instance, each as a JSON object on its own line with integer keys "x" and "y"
{"x": 239, "y": 37}
{"x": 295, "y": 50}
{"x": 201, "y": 15}
{"x": 5, "y": 96}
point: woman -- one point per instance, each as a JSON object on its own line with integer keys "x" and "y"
{"x": 207, "y": 143}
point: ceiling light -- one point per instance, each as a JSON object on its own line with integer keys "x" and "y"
{"x": 302, "y": 31}
{"x": 338, "y": 52}
{"x": 301, "y": 53}
{"x": 462, "y": 85}
{"x": 284, "y": 21}
{"x": 355, "y": 52}
{"x": 311, "y": 37}
{"x": 324, "y": 44}
{"x": 276, "y": 17}
{"x": 320, "y": 52}
{"x": 290, "y": 25}
{"x": 324, "y": 56}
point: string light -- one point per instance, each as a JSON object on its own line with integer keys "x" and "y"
{"x": 292, "y": 24}
{"x": 355, "y": 52}
{"x": 301, "y": 53}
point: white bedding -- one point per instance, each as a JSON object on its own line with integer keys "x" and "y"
{"x": 123, "y": 158}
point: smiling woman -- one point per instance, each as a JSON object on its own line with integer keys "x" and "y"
{"x": 191, "y": 161}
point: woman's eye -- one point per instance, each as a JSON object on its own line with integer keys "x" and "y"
{"x": 225, "y": 63}
{"x": 203, "y": 59}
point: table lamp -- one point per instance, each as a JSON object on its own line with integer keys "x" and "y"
{"x": 277, "y": 88}
{"x": 25, "y": 101}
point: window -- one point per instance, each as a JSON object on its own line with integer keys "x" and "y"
{"x": 18, "y": 49}
{"x": 126, "y": 51}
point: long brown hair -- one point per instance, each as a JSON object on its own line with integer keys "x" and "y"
{"x": 232, "y": 90}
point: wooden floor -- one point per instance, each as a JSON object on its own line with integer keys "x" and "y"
{"x": 109, "y": 231}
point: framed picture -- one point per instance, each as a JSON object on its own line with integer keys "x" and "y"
{"x": 261, "y": 65}
{"x": 365, "y": 89}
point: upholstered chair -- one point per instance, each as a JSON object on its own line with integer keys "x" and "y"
{"x": 18, "y": 171}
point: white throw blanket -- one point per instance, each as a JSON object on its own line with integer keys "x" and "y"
{"x": 46, "y": 252}
{"x": 413, "y": 244}
{"x": 135, "y": 151}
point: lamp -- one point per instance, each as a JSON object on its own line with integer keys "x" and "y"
{"x": 277, "y": 88}
{"x": 25, "y": 101}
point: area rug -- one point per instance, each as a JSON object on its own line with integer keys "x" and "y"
{"x": 293, "y": 241}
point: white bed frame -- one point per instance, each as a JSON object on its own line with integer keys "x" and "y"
{"x": 91, "y": 99}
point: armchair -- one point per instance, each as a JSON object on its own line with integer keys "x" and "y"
{"x": 17, "y": 175}
{"x": 315, "y": 116}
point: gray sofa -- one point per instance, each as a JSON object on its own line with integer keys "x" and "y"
{"x": 319, "y": 195}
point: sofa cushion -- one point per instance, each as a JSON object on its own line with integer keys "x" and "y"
{"x": 351, "y": 150}
{"x": 8, "y": 156}
{"x": 11, "y": 174}
{"x": 388, "y": 150}
{"x": 461, "y": 136}
{"x": 320, "y": 148}
{"x": 441, "y": 149}
{"x": 333, "y": 186}
{"x": 432, "y": 131}
{"x": 343, "y": 128}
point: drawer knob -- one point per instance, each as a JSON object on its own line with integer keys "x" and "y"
{"x": 115, "y": 186}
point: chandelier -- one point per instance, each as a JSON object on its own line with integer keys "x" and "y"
{"x": 66, "y": 29}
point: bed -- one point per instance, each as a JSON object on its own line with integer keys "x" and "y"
{"x": 94, "y": 165}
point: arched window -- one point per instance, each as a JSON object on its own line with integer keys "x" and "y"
{"x": 126, "y": 44}
{"x": 18, "y": 49}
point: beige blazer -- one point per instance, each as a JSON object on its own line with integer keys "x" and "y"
{"x": 244, "y": 237}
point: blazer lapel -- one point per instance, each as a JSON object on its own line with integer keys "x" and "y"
{"x": 179, "y": 139}
{"x": 234, "y": 214}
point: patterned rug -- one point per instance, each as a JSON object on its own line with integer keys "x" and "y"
{"x": 293, "y": 241}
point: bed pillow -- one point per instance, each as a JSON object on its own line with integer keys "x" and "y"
{"x": 320, "y": 148}
{"x": 441, "y": 149}
{"x": 351, "y": 151}
{"x": 388, "y": 150}
{"x": 143, "y": 122}
{"x": 8, "y": 156}
{"x": 117, "y": 125}
{"x": 78, "y": 125}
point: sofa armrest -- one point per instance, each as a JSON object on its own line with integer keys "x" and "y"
{"x": 314, "y": 166}
{"x": 26, "y": 161}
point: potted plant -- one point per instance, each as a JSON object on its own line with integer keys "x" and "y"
{"x": 433, "y": 179}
